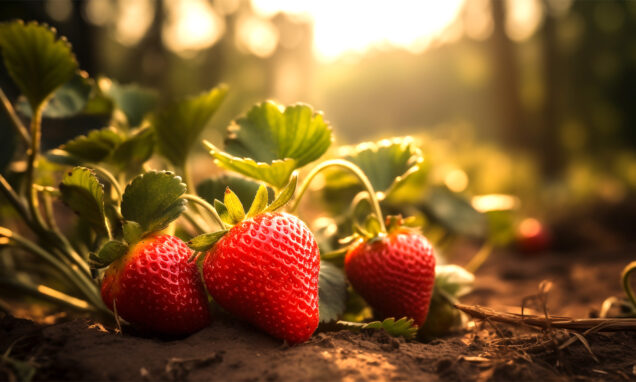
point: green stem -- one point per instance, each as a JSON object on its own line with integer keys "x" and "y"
{"x": 32, "y": 164}
{"x": 84, "y": 284}
{"x": 17, "y": 204}
{"x": 208, "y": 207}
{"x": 631, "y": 267}
{"x": 17, "y": 124}
{"x": 195, "y": 221}
{"x": 46, "y": 293}
{"x": 355, "y": 170}
{"x": 479, "y": 258}
{"x": 111, "y": 178}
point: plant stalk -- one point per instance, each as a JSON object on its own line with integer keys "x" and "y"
{"x": 207, "y": 206}
{"x": 355, "y": 170}
{"x": 32, "y": 164}
{"x": 16, "y": 122}
{"x": 631, "y": 267}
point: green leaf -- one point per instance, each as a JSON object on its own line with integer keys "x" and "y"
{"x": 37, "y": 61}
{"x": 132, "y": 232}
{"x": 453, "y": 280}
{"x": 109, "y": 252}
{"x": 154, "y": 200}
{"x": 270, "y": 142}
{"x": 132, "y": 153}
{"x": 386, "y": 163}
{"x": 401, "y": 328}
{"x": 285, "y": 195}
{"x": 178, "y": 127}
{"x": 95, "y": 146}
{"x": 133, "y": 100}
{"x": 235, "y": 209}
{"x": 83, "y": 193}
{"x": 332, "y": 292}
{"x": 203, "y": 243}
{"x": 214, "y": 188}
{"x": 67, "y": 101}
{"x": 454, "y": 213}
{"x": 222, "y": 211}
{"x": 259, "y": 203}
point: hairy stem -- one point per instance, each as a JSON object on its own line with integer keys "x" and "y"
{"x": 631, "y": 267}
{"x": 17, "y": 124}
{"x": 32, "y": 164}
{"x": 207, "y": 206}
{"x": 355, "y": 170}
{"x": 107, "y": 174}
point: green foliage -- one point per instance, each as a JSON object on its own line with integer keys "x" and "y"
{"x": 386, "y": 163}
{"x": 454, "y": 213}
{"x": 153, "y": 200}
{"x": 37, "y": 61}
{"x": 132, "y": 153}
{"x": 134, "y": 101}
{"x": 401, "y": 328}
{"x": 179, "y": 126}
{"x": 109, "y": 252}
{"x": 285, "y": 195}
{"x": 67, "y": 101}
{"x": 453, "y": 280}
{"x": 259, "y": 203}
{"x": 214, "y": 188}
{"x": 332, "y": 292}
{"x": 235, "y": 209}
{"x": 83, "y": 193}
{"x": 95, "y": 146}
{"x": 204, "y": 242}
{"x": 270, "y": 142}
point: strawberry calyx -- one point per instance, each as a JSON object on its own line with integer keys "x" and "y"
{"x": 232, "y": 212}
{"x": 371, "y": 232}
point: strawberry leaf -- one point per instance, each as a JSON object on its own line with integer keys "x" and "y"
{"x": 37, "y": 61}
{"x": 235, "y": 209}
{"x": 386, "y": 163}
{"x": 134, "y": 101}
{"x": 179, "y": 126}
{"x": 259, "y": 203}
{"x": 203, "y": 243}
{"x": 453, "y": 280}
{"x": 454, "y": 213}
{"x": 285, "y": 195}
{"x": 332, "y": 292}
{"x": 109, "y": 252}
{"x": 154, "y": 200}
{"x": 214, "y": 188}
{"x": 82, "y": 192}
{"x": 270, "y": 142}
{"x": 95, "y": 146}
{"x": 67, "y": 101}
{"x": 132, "y": 153}
{"x": 132, "y": 232}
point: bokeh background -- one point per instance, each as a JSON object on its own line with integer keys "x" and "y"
{"x": 532, "y": 99}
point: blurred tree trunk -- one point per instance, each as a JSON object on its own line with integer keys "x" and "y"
{"x": 547, "y": 144}
{"x": 507, "y": 103}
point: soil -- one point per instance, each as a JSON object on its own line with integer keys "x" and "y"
{"x": 78, "y": 349}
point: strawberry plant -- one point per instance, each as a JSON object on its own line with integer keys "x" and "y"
{"x": 147, "y": 242}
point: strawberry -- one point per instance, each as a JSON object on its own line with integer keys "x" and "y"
{"x": 155, "y": 287}
{"x": 394, "y": 273}
{"x": 264, "y": 269}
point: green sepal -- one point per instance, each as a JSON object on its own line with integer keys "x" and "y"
{"x": 401, "y": 328}
{"x": 372, "y": 225}
{"x": 214, "y": 188}
{"x": 203, "y": 243}
{"x": 108, "y": 253}
{"x": 332, "y": 292}
{"x": 154, "y": 200}
{"x": 235, "y": 209}
{"x": 285, "y": 195}
{"x": 132, "y": 232}
{"x": 259, "y": 203}
{"x": 36, "y": 60}
{"x": 222, "y": 211}
{"x": 84, "y": 194}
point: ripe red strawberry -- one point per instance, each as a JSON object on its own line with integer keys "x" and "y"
{"x": 265, "y": 271}
{"x": 154, "y": 286}
{"x": 394, "y": 274}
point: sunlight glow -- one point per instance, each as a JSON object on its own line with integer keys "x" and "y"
{"x": 133, "y": 20}
{"x": 191, "y": 25}
{"x": 494, "y": 202}
{"x": 356, "y": 26}
{"x": 530, "y": 227}
{"x": 456, "y": 180}
{"x": 256, "y": 35}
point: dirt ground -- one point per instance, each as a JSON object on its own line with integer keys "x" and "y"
{"x": 227, "y": 350}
